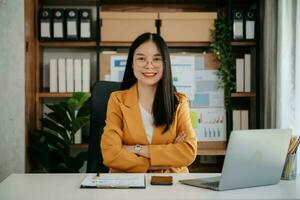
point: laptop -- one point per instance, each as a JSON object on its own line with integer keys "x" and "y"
{"x": 253, "y": 158}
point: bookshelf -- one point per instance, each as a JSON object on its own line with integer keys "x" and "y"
{"x": 36, "y": 94}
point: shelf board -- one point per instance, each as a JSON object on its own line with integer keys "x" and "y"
{"x": 54, "y": 95}
{"x": 170, "y": 44}
{"x": 68, "y": 44}
{"x": 243, "y": 94}
{"x": 188, "y": 44}
{"x": 243, "y": 43}
{"x": 211, "y": 152}
{"x": 80, "y": 146}
{"x": 211, "y": 148}
{"x": 115, "y": 44}
{"x": 69, "y": 2}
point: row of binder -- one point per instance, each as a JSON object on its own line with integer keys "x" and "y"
{"x": 243, "y": 74}
{"x": 65, "y": 24}
{"x": 244, "y": 24}
{"x": 240, "y": 119}
{"x": 70, "y": 75}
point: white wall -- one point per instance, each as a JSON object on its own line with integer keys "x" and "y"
{"x": 12, "y": 88}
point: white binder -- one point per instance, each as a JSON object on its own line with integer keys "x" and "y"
{"x": 53, "y": 75}
{"x": 239, "y": 75}
{"x": 77, "y": 75}
{"x": 62, "y": 75}
{"x": 247, "y": 72}
{"x": 86, "y": 74}
{"x": 70, "y": 75}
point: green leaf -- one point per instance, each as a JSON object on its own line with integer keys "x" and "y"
{"x": 60, "y": 115}
{"x": 84, "y": 110}
{"x": 79, "y": 123}
{"x": 48, "y": 124}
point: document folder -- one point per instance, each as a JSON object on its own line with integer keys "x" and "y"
{"x": 85, "y": 24}
{"x": 72, "y": 24}
{"x": 114, "y": 181}
{"x": 45, "y": 29}
{"x": 58, "y": 24}
{"x": 250, "y": 24}
{"x": 238, "y": 25}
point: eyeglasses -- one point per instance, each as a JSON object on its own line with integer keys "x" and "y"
{"x": 142, "y": 62}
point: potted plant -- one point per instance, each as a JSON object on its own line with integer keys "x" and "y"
{"x": 50, "y": 147}
{"x": 221, "y": 46}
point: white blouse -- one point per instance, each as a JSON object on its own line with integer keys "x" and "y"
{"x": 148, "y": 123}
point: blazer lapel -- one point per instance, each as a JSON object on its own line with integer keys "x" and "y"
{"x": 132, "y": 116}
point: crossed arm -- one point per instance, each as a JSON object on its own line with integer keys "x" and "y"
{"x": 145, "y": 150}
{"x": 181, "y": 152}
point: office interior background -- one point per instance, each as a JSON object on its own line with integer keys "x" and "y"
{"x": 278, "y": 60}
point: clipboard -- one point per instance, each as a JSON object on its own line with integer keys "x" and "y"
{"x": 114, "y": 181}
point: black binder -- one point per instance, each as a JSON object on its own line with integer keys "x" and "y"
{"x": 238, "y": 25}
{"x": 85, "y": 24}
{"x": 45, "y": 28}
{"x": 250, "y": 25}
{"x": 58, "y": 24}
{"x": 71, "y": 25}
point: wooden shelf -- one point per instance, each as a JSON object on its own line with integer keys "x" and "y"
{"x": 188, "y": 44}
{"x": 53, "y": 95}
{"x": 69, "y": 2}
{"x": 80, "y": 146}
{"x": 211, "y": 148}
{"x": 243, "y": 94}
{"x": 170, "y": 44}
{"x": 68, "y": 44}
{"x": 243, "y": 43}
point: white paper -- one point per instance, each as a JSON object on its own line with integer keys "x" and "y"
{"x": 58, "y": 30}
{"x": 114, "y": 180}
{"x": 70, "y": 75}
{"x": 85, "y": 30}
{"x": 207, "y": 93}
{"x": 53, "y": 75}
{"x": 117, "y": 68}
{"x": 209, "y": 123}
{"x": 62, "y": 75}
{"x": 183, "y": 71}
{"x": 45, "y": 29}
{"x": 72, "y": 28}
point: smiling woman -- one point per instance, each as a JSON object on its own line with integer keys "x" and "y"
{"x": 148, "y": 126}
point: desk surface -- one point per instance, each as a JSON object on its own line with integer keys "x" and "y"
{"x": 66, "y": 187}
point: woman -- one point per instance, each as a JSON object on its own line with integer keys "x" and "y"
{"x": 148, "y": 126}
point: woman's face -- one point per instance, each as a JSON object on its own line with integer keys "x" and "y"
{"x": 148, "y": 64}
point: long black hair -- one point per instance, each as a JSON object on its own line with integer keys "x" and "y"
{"x": 165, "y": 102}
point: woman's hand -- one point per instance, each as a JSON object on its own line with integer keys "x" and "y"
{"x": 180, "y": 138}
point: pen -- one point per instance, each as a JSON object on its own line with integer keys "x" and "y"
{"x": 295, "y": 146}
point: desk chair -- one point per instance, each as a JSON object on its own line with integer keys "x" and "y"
{"x": 100, "y": 94}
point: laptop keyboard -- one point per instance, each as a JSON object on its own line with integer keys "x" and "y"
{"x": 212, "y": 184}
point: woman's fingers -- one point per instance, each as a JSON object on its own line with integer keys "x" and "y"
{"x": 180, "y": 138}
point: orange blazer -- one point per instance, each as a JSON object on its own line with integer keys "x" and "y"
{"x": 124, "y": 125}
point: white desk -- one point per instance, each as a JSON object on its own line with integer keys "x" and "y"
{"x": 66, "y": 187}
